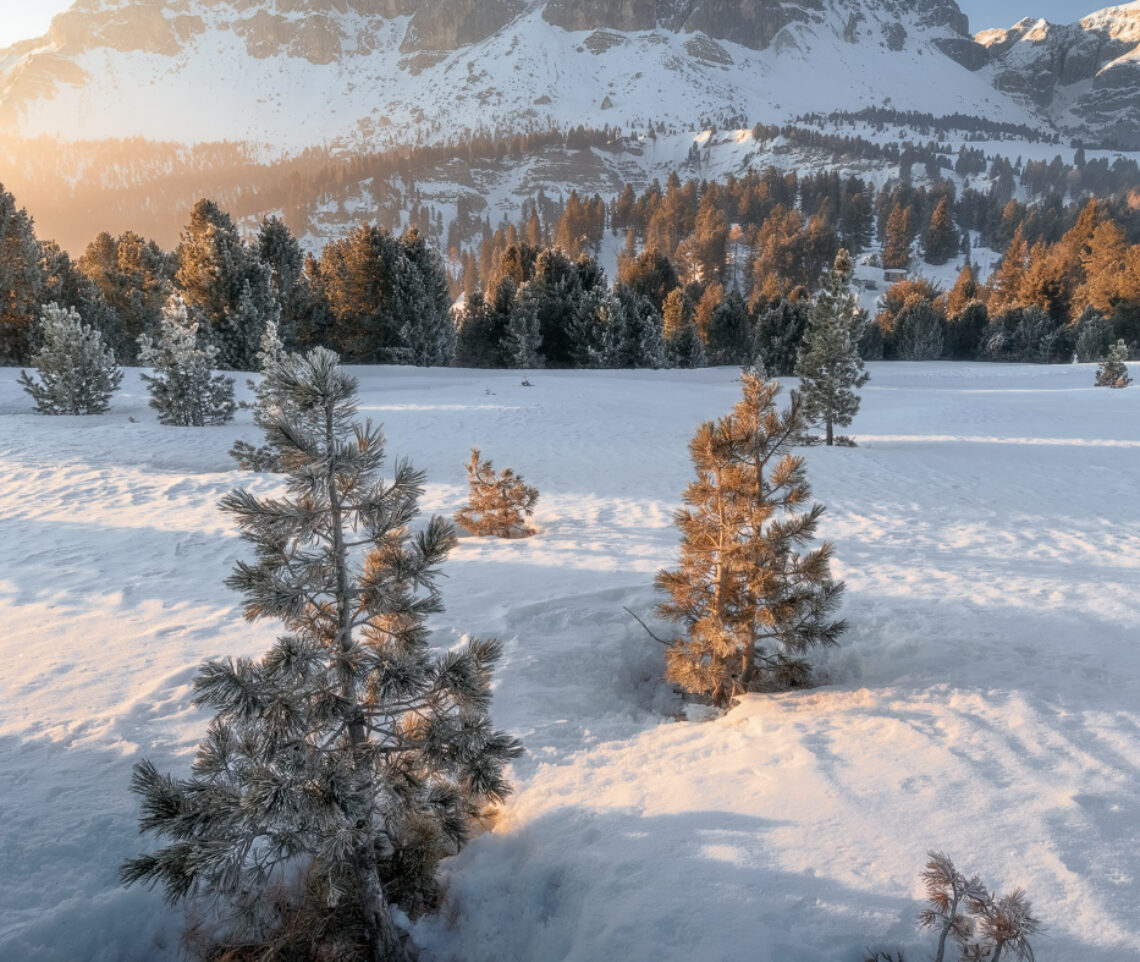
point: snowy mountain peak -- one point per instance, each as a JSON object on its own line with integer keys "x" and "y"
{"x": 292, "y": 73}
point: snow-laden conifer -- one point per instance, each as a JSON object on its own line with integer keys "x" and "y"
{"x": 77, "y": 373}
{"x": 350, "y": 750}
{"x": 523, "y": 338}
{"x": 498, "y": 502}
{"x": 752, "y": 601}
{"x": 271, "y": 400}
{"x": 828, "y": 364}
{"x": 1112, "y": 371}
{"x": 183, "y": 388}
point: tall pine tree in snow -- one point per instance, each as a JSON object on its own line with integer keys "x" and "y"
{"x": 752, "y": 602}
{"x": 271, "y": 400}
{"x": 77, "y": 374}
{"x": 183, "y": 388}
{"x": 523, "y": 337}
{"x": 349, "y": 751}
{"x": 21, "y": 280}
{"x": 828, "y": 363}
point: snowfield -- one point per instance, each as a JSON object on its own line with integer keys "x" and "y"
{"x": 983, "y": 702}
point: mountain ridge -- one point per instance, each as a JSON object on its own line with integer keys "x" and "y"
{"x": 377, "y": 73}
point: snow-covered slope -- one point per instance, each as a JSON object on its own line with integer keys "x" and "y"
{"x": 293, "y": 74}
{"x": 983, "y": 701}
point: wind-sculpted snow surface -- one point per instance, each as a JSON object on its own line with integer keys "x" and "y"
{"x": 982, "y": 703}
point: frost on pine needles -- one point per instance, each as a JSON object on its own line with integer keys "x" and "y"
{"x": 1112, "y": 371}
{"x": 349, "y": 752}
{"x": 271, "y": 400}
{"x": 498, "y": 502}
{"x": 985, "y": 928}
{"x": 751, "y": 600}
{"x": 183, "y": 388}
{"x": 77, "y": 374}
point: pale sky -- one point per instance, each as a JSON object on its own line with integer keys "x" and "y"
{"x": 21, "y": 19}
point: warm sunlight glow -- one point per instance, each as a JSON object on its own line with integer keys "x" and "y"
{"x": 20, "y": 20}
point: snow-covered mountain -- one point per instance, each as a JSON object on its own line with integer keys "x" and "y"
{"x": 292, "y": 73}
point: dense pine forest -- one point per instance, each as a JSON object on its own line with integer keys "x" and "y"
{"x": 709, "y": 272}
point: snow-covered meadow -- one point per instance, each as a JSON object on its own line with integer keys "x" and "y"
{"x": 984, "y": 701}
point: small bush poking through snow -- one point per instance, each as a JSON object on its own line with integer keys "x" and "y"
{"x": 77, "y": 374}
{"x": 984, "y": 927}
{"x": 183, "y": 389}
{"x": 1112, "y": 371}
{"x": 498, "y": 502}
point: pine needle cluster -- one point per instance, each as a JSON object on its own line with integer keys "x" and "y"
{"x": 77, "y": 374}
{"x": 751, "y": 599}
{"x": 984, "y": 927}
{"x": 349, "y": 751}
{"x": 497, "y": 503}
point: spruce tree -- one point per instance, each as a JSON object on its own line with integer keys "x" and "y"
{"x": 683, "y": 347}
{"x": 77, "y": 374}
{"x": 918, "y": 330}
{"x": 349, "y": 751}
{"x": 497, "y": 503}
{"x": 183, "y": 388}
{"x": 940, "y": 239}
{"x": 751, "y": 600}
{"x": 21, "y": 280}
{"x": 828, "y": 362}
{"x": 1094, "y": 335}
{"x": 1112, "y": 371}
{"x": 523, "y": 337}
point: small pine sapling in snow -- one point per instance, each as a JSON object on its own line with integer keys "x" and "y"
{"x": 349, "y": 753}
{"x": 752, "y": 603}
{"x": 498, "y": 502}
{"x": 1003, "y": 924}
{"x": 77, "y": 374}
{"x": 1112, "y": 371}
{"x": 949, "y": 893}
{"x": 271, "y": 400}
{"x": 183, "y": 388}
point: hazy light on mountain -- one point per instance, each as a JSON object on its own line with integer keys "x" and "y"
{"x": 20, "y": 19}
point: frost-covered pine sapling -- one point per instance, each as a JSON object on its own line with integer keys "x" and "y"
{"x": 349, "y": 750}
{"x": 271, "y": 400}
{"x": 828, "y": 363}
{"x": 183, "y": 388}
{"x": 752, "y": 602}
{"x": 1004, "y": 924}
{"x": 498, "y": 502}
{"x": 1112, "y": 371}
{"x": 948, "y": 893}
{"x": 77, "y": 374}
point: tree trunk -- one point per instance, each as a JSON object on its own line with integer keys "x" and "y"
{"x": 376, "y": 915}
{"x": 830, "y": 434}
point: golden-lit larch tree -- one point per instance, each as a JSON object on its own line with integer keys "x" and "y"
{"x": 751, "y": 599}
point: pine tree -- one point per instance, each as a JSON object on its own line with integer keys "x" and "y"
{"x": 523, "y": 337}
{"x": 348, "y": 750}
{"x": 828, "y": 362}
{"x": 899, "y": 235}
{"x": 940, "y": 239}
{"x": 21, "y": 280}
{"x": 778, "y": 334}
{"x": 183, "y": 388}
{"x": 271, "y": 401}
{"x": 497, "y": 503}
{"x": 1112, "y": 371}
{"x": 1094, "y": 335}
{"x": 918, "y": 330}
{"x": 751, "y": 603}
{"x": 77, "y": 374}
{"x": 683, "y": 347}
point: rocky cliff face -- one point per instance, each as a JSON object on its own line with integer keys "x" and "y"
{"x": 1086, "y": 75}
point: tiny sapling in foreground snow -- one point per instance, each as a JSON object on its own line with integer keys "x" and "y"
{"x": 751, "y": 600}
{"x": 77, "y": 374}
{"x": 498, "y": 502}
{"x": 1112, "y": 371}
{"x": 985, "y": 928}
